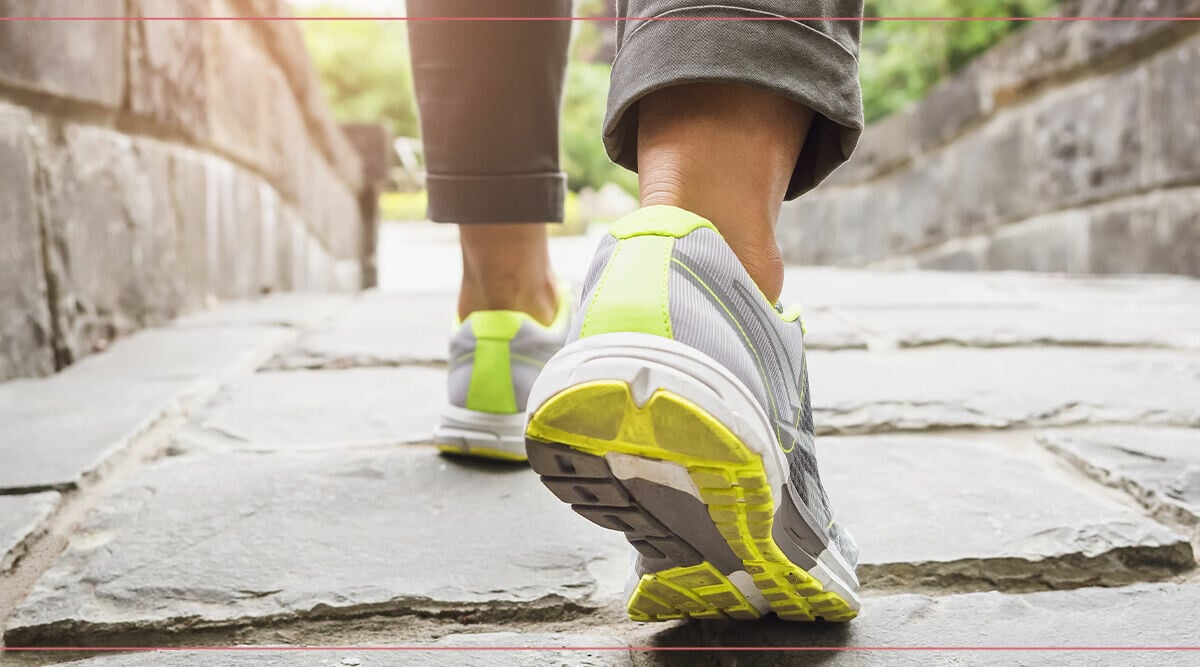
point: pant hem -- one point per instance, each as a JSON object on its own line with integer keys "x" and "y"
{"x": 510, "y": 198}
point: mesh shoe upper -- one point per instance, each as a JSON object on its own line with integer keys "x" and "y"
{"x": 496, "y": 355}
{"x": 716, "y": 308}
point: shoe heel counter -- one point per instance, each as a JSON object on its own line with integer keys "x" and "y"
{"x": 490, "y": 387}
{"x": 631, "y": 294}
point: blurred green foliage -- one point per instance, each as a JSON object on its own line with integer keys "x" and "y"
{"x": 901, "y": 60}
{"x": 364, "y": 69}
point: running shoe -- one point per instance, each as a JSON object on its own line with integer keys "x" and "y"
{"x": 494, "y": 357}
{"x": 678, "y": 413}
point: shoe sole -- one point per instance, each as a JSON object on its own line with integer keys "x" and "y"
{"x": 462, "y": 432}
{"x": 631, "y": 452}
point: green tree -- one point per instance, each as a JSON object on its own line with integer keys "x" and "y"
{"x": 902, "y": 60}
{"x": 364, "y": 69}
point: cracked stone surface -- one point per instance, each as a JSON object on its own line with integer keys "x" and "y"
{"x": 1141, "y": 615}
{"x": 378, "y": 329}
{"x": 313, "y": 409}
{"x": 20, "y": 518}
{"x": 1159, "y": 467}
{"x": 924, "y": 515}
{"x": 318, "y": 534}
{"x": 54, "y": 430}
{"x": 613, "y": 656}
{"x": 858, "y": 391}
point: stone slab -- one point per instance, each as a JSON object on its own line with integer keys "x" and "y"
{"x": 55, "y": 430}
{"x": 475, "y": 650}
{"x": 300, "y": 310}
{"x": 1144, "y": 615}
{"x": 379, "y": 329}
{"x": 219, "y": 540}
{"x": 21, "y": 517}
{"x": 80, "y": 60}
{"x": 857, "y": 392}
{"x": 987, "y": 512}
{"x": 1159, "y": 467}
{"x": 323, "y": 409}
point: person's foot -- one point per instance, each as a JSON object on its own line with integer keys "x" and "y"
{"x": 494, "y": 357}
{"x": 679, "y": 415}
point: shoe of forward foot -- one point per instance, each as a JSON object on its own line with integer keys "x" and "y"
{"x": 494, "y": 357}
{"x": 678, "y": 413}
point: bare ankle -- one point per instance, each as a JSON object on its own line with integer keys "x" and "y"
{"x": 507, "y": 267}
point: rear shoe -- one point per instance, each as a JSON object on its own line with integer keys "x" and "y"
{"x": 494, "y": 357}
{"x": 679, "y": 415}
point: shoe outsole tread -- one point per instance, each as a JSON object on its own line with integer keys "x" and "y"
{"x": 567, "y": 439}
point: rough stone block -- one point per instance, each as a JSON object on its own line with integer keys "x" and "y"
{"x": 56, "y": 429}
{"x": 323, "y": 409}
{"x": 240, "y": 103}
{"x": 1175, "y": 89}
{"x": 22, "y": 517}
{"x": 122, "y": 235}
{"x": 26, "y": 345}
{"x": 1023, "y": 526}
{"x": 82, "y": 61}
{"x": 950, "y": 107}
{"x": 382, "y": 531}
{"x": 988, "y": 176}
{"x": 380, "y": 329}
{"x": 1057, "y": 243}
{"x": 167, "y": 82}
{"x": 858, "y": 392}
{"x": 1159, "y": 233}
{"x": 1088, "y": 142}
{"x": 1160, "y": 467}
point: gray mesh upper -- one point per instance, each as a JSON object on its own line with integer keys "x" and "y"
{"x": 529, "y": 350}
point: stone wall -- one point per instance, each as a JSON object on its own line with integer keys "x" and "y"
{"x": 150, "y": 168}
{"x": 1070, "y": 147}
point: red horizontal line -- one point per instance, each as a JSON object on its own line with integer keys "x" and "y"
{"x": 596, "y": 648}
{"x": 599, "y": 18}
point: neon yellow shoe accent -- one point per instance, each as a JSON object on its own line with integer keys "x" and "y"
{"x": 631, "y": 294}
{"x": 659, "y": 221}
{"x": 698, "y": 591}
{"x": 491, "y": 388}
{"x": 483, "y": 453}
{"x": 601, "y": 417}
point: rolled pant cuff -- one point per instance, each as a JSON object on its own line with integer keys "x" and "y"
{"x": 496, "y": 199}
{"x": 788, "y": 57}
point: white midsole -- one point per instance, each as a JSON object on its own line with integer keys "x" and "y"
{"x": 469, "y": 429}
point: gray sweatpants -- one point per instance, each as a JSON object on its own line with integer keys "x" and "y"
{"x": 489, "y": 92}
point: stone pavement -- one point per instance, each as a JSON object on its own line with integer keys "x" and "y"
{"x": 1017, "y": 454}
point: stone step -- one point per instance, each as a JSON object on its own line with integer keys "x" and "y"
{"x": 234, "y": 538}
{"x": 941, "y": 388}
{"x": 987, "y": 511}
